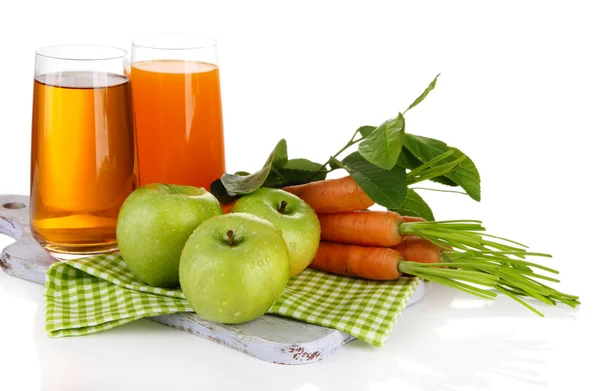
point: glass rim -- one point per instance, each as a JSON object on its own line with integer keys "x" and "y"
{"x": 203, "y": 42}
{"x": 46, "y": 52}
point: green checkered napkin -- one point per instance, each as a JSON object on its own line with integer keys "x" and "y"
{"x": 86, "y": 295}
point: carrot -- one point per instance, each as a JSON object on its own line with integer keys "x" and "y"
{"x": 457, "y": 270}
{"x": 333, "y": 195}
{"x": 386, "y": 264}
{"x": 413, "y": 219}
{"x": 374, "y": 263}
{"x": 386, "y": 229}
{"x": 362, "y": 228}
{"x": 367, "y": 228}
{"x": 416, "y": 249}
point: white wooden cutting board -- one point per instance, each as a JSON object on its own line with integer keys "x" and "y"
{"x": 269, "y": 338}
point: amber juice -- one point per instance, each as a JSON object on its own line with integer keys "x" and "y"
{"x": 83, "y": 160}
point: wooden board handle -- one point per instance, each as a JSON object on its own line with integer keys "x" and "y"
{"x": 14, "y": 215}
{"x": 25, "y": 258}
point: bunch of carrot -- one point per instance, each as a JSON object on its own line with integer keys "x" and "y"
{"x": 381, "y": 245}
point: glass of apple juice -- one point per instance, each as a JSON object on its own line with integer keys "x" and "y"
{"x": 83, "y": 153}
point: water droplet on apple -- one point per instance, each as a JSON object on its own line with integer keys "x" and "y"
{"x": 236, "y": 314}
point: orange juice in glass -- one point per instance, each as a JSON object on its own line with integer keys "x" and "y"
{"x": 177, "y": 109}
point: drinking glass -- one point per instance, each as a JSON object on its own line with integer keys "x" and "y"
{"x": 83, "y": 159}
{"x": 177, "y": 109}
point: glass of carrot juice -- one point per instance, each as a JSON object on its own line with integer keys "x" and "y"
{"x": 177, "y": 109}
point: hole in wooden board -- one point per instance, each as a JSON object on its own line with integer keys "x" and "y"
{"x": 13, "y": 205}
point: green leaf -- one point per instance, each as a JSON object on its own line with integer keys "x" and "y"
{"x": 382, "y": 146}
{"x": 302, "y": 165}
{"x": 464, "y": 175}
{"x": 385, "y": 187}
{"x": 335, "y": 163}
{"x": 296, "y": 172}
{"x": 366, "y": 130}
{"x": 414, "y": 205}
{"x": 445, "y": 181}
{"x": 407, "y": 160}
{"x": 279, "y": 156}
{"x": 218, "y": 190}
{"x": 421, "y": 97}
{"x": 245, "y": 184}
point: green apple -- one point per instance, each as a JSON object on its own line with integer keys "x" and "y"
{"x": 234, "y": 267}
{"x": 297, "y": 221}
{"x": 153, "y": 225}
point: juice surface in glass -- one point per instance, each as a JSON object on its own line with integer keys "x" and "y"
{"x": 177, "y": 106}
{"x": 83, "y": 162}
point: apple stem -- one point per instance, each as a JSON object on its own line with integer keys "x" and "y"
{"x": 282, "y": 207}
{"x": 230, "y": 237}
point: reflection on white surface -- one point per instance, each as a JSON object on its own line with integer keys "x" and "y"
{"x": 448, "y": 341}
{"x": 434, "y": 347}
{"x": 17, "y": 315}
{"x": 467, "y": 303}
{"x": 473, "y": 361}
{"x": 308, "y": 387}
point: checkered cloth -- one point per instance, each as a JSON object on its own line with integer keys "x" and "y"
{"x": 86, "y": 295}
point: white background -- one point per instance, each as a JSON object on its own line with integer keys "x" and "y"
{"x": 519, "y": 93}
